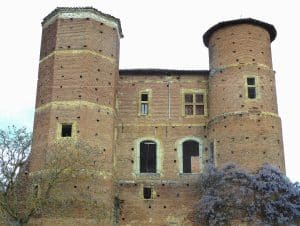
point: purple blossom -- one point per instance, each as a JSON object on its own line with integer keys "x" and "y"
{"x": 265, "y": 197}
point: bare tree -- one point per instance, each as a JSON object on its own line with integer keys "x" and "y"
{"x": 14, "y": 150}
{"x": 25, "y": 195}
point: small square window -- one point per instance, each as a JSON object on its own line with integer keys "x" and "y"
{"x": 189, "y": 109}
{"x": 251, "y": 81}
{"x": 199, "y": 109}
{"x": 199, "y": 98}
{"x": 66, "y": 130}
{"x": 144, "y": 97}
{"x": 147, "y": 193}
{"x": 188, "y": 98}
{"x": 251, "y": 93}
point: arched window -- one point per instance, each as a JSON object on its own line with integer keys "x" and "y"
{"x": 148, "y": 156}
{"x": 190, "y": 155}
{"x": 189, "y": 152}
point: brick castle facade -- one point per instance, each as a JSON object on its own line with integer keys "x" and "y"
{"x": 156, "y": 128}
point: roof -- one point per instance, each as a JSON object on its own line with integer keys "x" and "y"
{"x": 84, "y": 10}
{"x": 166, "y": 72}
{"x": 269, "y": 27}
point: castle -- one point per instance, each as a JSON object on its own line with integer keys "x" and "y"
{"x": 157, "y": 128}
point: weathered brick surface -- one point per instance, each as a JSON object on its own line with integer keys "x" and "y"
{"x": 77, "y": 80}
{"x": 245, "y": 131}
{"x": 49, "y": 36}
{"x": 67, "y": 34}
{"x": 248, "y": 140}
{"x": 79, "y": 83}
{"x": 231, "y": 84}
{"x": 171, "y": 205}
{"x": 242, "y": 44}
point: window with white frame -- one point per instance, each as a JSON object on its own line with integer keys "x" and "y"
{"x": 144, "y": 103}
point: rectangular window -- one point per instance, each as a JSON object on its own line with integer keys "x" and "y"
{"x": 147, "y": 157}
{"x": 194, "y": 104}
{"x": 144, "y": 104}
{"x": 66, "y": 130}
{"x": 147, "y": 193}
{"x": 251, "y": 88}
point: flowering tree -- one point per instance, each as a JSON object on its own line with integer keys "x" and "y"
{"x": 266, "y": 197}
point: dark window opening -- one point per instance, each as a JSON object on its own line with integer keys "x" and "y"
{"x": 144, "y": 97}
{"x": 251, "y": 88}
{"x": 251, "y": 81}
{"x": 212, "y": 153}
{"x": 251, "y": 92}
{"x": 147, "y": 193}
{"x": 188, "y": 98}
{"x": 199, "y": 98}
{"x": 148, "y": 157}
{"x": 66, "y": 130}
{"x": 189, "y": 109}
{"x": 199, "y": 109}
{"x": 190, "y": 157}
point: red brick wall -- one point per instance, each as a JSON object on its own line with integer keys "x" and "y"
{"x": 240, "y": 44}
{"x": 175, "y": 193}
{"x": 76, "y": 84}
{"x": 245, "y": 131}
{"x": 79, "y": 83}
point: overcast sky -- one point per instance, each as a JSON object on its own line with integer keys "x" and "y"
{"x": 158, "y": 34}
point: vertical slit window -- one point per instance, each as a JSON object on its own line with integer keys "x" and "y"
{"x": 212, "y": 154}
{"x": 148, "y": 157}
{"x": 251, "y": 87}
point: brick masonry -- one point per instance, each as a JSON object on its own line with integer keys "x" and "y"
{"x": 80, "y": 83}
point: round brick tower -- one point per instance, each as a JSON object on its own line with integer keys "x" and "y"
{"x": 76, "y": 95}
{"x": 244, "y": 126}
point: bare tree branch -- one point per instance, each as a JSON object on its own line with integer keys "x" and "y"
{"x": 24, "y": 195}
